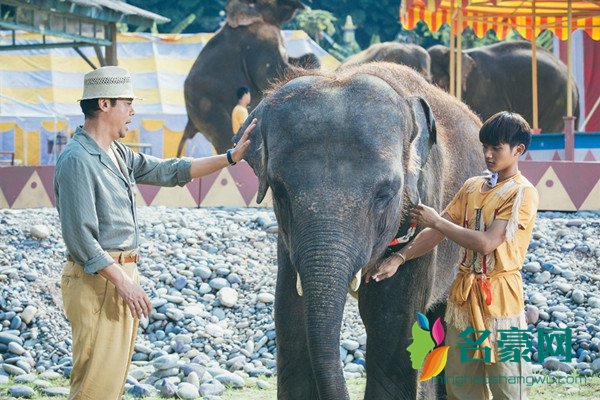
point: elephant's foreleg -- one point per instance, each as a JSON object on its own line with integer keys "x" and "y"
{"x": 388, "y": 311}
{"x": 295, "y": 379}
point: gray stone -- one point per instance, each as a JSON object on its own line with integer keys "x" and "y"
{"x": 165, "y": 362}
{"x": 228, "y": 296}
{"x": 350, "y": 345}
{"x": 532, "y": 267}
{"x": 594, "y": 302}
{"x": 56, "y": 391}
{"x": 596, "y": 365}
{"x": 187, "y": 391}
{"x": 532, "y": 314}
{"x": 211, "y": 388}
{"x": 543, "y": 277}
{"x": 16, "y": 348}
{"x": 578, "y": 296}
{"x": 13, "y": 370}
{"x": 27, "y": 378}
{"x": 50, "y": 375}
{"x": 3, "y": 380}
{"x": 21, "y": 391}
{"x": 559, "y": 316}
{"x": 41, "y": 383}
{"x": 219, "y": 283}
{"x": 266, "y": 298}
{"x": 6, "y": 338}
{"x": 263, "y": 384}
{"x": 563, "y": 287}
{"x": 538, "y": 299}
{"x": 28, "y": 314}
{"x": 39, "y": 231}
{"x": 214, "y": 330}
{"x": 231, "y": 379}
{"x": 551, "y": 363}
{"x": 167, "y": 389}
{"x": 142, "y": 390}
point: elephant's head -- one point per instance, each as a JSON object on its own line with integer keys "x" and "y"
{"x": 440, "y": 67}
{"x": 246, "y": 12}
{"x": 343, "y": 156}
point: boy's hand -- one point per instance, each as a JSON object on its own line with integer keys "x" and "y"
{"x": 425, "y": 216}
{"x": 386, "y": 269}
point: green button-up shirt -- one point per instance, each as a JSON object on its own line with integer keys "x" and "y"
{"x": 96, "y": 202}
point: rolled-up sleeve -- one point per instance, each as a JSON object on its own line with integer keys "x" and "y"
{"x": 155, "y": 171}
{"x": 76, "y": 206}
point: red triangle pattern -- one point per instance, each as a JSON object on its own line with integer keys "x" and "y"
{"x": 528, "y": 156}
{"x": 578, "y": 181}
{"x": 46, "y": 175}
{"x": 245, "y": 180}
{"x": 534, "y": 170}
{"x": 206, "y": 183}
{"x": 589, "y": 156}
{"x": 194, "y": 188}
{"x": 148, "y": 192}
{"x": 556, "y": 156}
{"x": 13, "y": 182}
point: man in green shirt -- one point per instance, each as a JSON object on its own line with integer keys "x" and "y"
{"x": 94, "y": 187}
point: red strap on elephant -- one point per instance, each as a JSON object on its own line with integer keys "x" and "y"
{"x": 403, "y": 239}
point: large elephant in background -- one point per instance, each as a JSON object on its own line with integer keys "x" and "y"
{"x": 498, "y": 77}
{"x": 408, "y": 54}
{"x": 247, "y": 51}
{"x": 346, "y": 155}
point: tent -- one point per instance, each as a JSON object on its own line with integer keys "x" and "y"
{"x": 39, "y": 91}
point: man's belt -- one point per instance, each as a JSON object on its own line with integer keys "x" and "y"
{"x": 122, "y": 258}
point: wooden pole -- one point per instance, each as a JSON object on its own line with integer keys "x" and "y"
{"x": 569, "y": 131}
{"x": 534, "y": 79}
{"x": 459, "y": 55}
{"x": 569, "y": 62}
{"x": 452, "y": 55}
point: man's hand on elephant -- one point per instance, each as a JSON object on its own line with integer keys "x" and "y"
{"x": 242, "y": 145}
{"x": 425, "y": 216}
{"x": 386, "y": 269}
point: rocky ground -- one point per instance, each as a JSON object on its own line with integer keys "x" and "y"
{"x": 210, "y": 274}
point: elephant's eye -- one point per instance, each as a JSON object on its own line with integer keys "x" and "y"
{"x": 384, "y": 195}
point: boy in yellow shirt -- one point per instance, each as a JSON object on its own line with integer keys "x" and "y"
{"x": 240, "y": 111}
{"x": 492, "y": 219}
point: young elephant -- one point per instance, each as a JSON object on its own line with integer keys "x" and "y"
{"x": 346, "y": 155}
{"x": 498, "y": 77}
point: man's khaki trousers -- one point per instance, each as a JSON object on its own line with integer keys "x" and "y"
{"x": 103, "y": 333}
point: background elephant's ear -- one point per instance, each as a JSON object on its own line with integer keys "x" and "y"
{"x": 468, "y": 64}
{"x": 424, "y": 136}
{"x": 256, "y": 155}
{"x": 242, "y": 13}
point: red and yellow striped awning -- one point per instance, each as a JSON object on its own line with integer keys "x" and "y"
{"x": 505, "y": 15}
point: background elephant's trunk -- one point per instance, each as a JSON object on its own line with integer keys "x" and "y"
{"x": 325, "y": 262}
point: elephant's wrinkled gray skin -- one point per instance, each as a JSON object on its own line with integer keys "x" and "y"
{"x": 498, "y": 77}
{"x": 247, "y": 51}
{"x": 408, "y": 54}
{"x": 343, "y": 153}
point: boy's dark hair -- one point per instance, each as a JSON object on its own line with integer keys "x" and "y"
{"x": 242, "y": 91}
{"x": 90, "y": 107}
{"x": 505, "y": 127}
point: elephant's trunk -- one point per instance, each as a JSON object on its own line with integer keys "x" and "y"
{"x": 325, "y": 262}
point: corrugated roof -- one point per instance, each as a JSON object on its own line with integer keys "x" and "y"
{"x": 122, "y": 7}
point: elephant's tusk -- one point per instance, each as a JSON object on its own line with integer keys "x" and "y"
{"x": 299, "y": 285}
{"x": 355, "y": 282}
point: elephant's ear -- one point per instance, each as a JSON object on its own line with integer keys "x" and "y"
{"x": 242, "y": 13}
{"x": 256, "y": 155}
{"x": 423, "y": 137}
{"x": 468, "y": 64}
